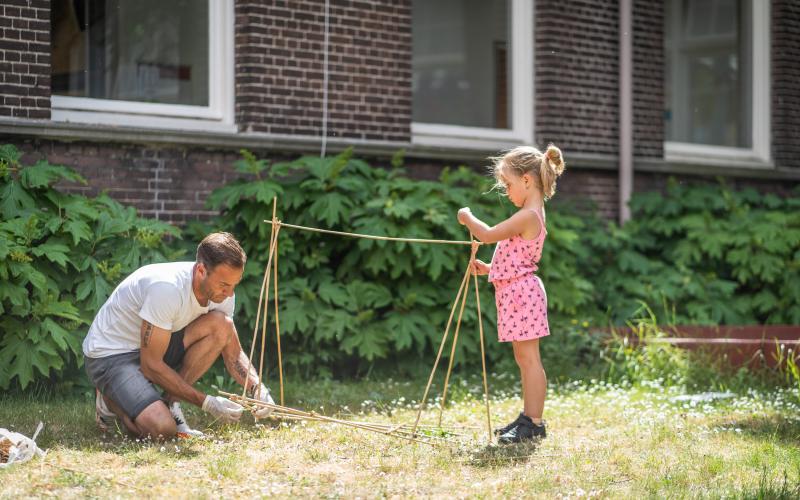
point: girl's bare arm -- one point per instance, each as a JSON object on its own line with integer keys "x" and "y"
{"x": 515, "y": 224}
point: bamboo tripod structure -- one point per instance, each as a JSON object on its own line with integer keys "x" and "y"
{"x": 401, "y": 430}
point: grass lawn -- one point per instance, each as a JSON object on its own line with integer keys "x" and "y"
{"x": 604, "y": 441}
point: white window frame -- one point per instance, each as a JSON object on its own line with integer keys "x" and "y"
{"x": 759, "y": 155}
{"x": 217, "y": 116}
{"x": 522, "y": 102}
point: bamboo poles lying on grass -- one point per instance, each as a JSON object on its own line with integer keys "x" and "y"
{"x": 423, "y": 435}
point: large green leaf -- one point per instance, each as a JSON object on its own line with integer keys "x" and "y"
{"x": 54, "y": 252}
{"x": 15, "y": 293}
{"x": 93, "y": 289}
{"x": 22, "y": 357}
{"x": 79, "y": 230}
{"x": 13, "y": 199}
{"x": 331, "y": 208}
{"x": 42, "y": 174}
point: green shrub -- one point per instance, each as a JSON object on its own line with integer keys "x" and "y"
{"x": 703, "y": 254}
{"x": 695, "y": 254}
{"x": 60, "y": 257}
{"x": 347, "y": 304}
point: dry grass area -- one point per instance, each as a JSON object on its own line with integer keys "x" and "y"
{"x": 604, "y": 442}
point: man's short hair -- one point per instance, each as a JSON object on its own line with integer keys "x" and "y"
{"x": 221, "y": 248}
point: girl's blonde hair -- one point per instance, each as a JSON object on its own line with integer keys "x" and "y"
{"x": 543, "y": 167}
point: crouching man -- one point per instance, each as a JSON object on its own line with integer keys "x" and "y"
{"x": 166, "y": 324}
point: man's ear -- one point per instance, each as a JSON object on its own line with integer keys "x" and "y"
{"x": 201, "y": 268}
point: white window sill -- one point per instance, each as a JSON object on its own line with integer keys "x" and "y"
{"x": 469, "y": 138}
{"x": 716, "y": 156}
{"x": 140, "y": 121}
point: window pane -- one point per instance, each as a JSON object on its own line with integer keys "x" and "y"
{"x": 460, "y": 71}
{"x": 147, "y": 50}
{"x": 708, "y": 49}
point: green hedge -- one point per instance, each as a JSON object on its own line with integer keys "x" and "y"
{"x": 702, "y": 254}
{"x": 61, "y": 255}
{"x": 347, "y": 303}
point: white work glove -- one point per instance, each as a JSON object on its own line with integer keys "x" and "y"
{"x": 263, "y": 395}
{"x": 222, "y": 408}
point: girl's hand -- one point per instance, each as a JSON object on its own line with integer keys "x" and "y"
{"x": 463, "y": 215}
{"x": 480, "y": 267}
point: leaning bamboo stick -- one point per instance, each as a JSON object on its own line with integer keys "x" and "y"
{"x": 441, "y": 347}
{"x": 273, "y": 240}
{"x": 452, "y": 353}
{"x": 277, "y": 318}
{"x": 483, "y": 361}
{"x": 258, "y": 317}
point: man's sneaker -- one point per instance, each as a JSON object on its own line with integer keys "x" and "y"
{"x": 183, "y": 429}
{"x": 526, "y": 430}
{"x": 502, "y": 430}
{"x": 105, "y": 418}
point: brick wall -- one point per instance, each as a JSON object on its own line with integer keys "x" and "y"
{"x": 169, "y": 183}
{"x": 592, "y": 189}
{"x": 785, "y": 89}
{"x": 279, "y": 68}
{"x": 648, "y": 79}
{"x": 577, "y": 75}
{"x": 25, "y": 58}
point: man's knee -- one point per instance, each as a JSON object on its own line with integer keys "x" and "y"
{"x": 156, "y": 422}
{"x": 222, "y": 329}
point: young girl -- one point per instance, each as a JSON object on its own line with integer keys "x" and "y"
{"x": 528, "y": 178}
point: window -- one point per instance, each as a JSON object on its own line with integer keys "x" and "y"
{"x": 716, "y": 80}
{"x": 472, "y": 72}
{"x": 146, "y": 63}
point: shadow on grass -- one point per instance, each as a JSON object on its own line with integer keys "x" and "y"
{"x": 774, "y": 427}
{"x": 502, "y": 455}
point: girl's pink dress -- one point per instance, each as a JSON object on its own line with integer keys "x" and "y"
{"x": 519, "y": 293}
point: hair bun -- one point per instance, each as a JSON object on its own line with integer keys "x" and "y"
{"x": 556, "y": 161}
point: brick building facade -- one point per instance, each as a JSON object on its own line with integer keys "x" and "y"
{"x": 272, "y": 57}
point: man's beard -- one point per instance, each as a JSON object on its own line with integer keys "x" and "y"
{"x": 205, "y": 290}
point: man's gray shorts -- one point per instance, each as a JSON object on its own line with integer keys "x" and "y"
{"x": 119, "y": 377}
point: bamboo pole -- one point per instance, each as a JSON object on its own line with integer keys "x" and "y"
{"x": 371, "y": 237}
{"x": 483, "y": 361}
{"x": 316, "y": 416}
{"x": 258, "y": 317}
{"x": 461, "y": 289}
{"x": 455, "y": 340}
{"x": 388, "y": 431}
{"x": 275, "y": 229}
{"x": 277, "y": 317}
{"x": 403, "y": 428}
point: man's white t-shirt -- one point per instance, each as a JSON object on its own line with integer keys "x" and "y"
{"x": 160, "y": 294}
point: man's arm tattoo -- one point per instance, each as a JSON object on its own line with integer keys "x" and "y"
{"x": 148, "y": 331}
{"x": 241, "y": 370}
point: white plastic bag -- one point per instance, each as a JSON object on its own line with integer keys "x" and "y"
{"x": 16, "y": 448}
